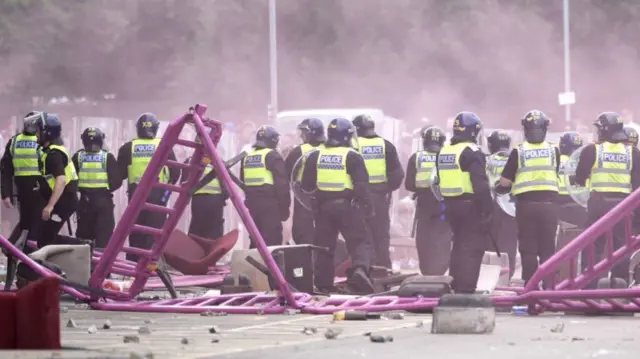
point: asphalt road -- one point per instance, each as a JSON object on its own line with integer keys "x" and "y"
{"x": 264, "y": 337}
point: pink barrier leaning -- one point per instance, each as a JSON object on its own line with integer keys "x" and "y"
{"x": 567, "y": 295}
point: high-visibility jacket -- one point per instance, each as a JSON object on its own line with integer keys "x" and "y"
{"x": 212, "y": 187}
{"x": 611, "y": 171}
{"x": 425, "y": 162}
{"x": 25, "y": 154}
{"x": 92, "y": 169}
{"x": 453, "y": 181}
{"x": 332, "y": 169}
{"x": 69, "y": 171}
{"x": 142, "y": 150}
{"x": 255, "y": 170}
{"x": 373, "y": 152}
{"x": 305, "y": 148}
{"x": 537, "y": 168}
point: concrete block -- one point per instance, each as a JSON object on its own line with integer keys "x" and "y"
{"x": 459, "y": 320}
{"x": 74, "y": 260}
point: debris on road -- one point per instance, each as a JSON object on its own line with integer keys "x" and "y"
{"x": 144, "y": 330}
{"x": 290, "y": 311}
{"x": 309, "y": 330}
{"x": 215, "y": 340}
{"x": 131, "y": 339}
{"x": 354, "y": 315}
{"x": 394, "y": 315}
{"x": 559, "y": 328}
{"x": 107, "y": 324}
{"x": 214, "y": 330}
{"x": 184, "y": 341}
{"x": 149, "y": 321}
{"x": 71, "y": 324}
{"x": 64, "y": 310}
{"x": 380, "y": 339}
{"x": 92, "y": 329}
{"x": 332, "y": 333}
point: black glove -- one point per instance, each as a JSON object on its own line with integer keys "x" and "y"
{"x": 499, "y": 189}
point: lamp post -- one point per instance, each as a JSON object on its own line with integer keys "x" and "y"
{"x": 273, "y": 59}
{"x": 567, "y": 98}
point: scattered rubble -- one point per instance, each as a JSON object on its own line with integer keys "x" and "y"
{"x": 214, "y": 330}
{"x": 92, "y": 329}
{"x": 332, "y": 333}
{"x": 380, "y": 339}
{"x": 149, "y": 321}
{"x": 558, "y": 328}
{"x": 309, "y": 330}
{"x": 107, "y": 324}
{"x": 215, "y": 340}
{"x": 184, "y": 341}
{"x": 64, "y": 310}
{"x": 394, "y": 315}
{"x": 291, "y": 311}
{"x": 131, "y": 339}
{"x": 71, "y": 324}
{"x": 144, "y": 330}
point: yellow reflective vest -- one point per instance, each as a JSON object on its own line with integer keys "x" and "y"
{"x": 332, "y": 169}
{"x": 373, "y": 152}
{"x": 453, "y": 181}
{"x": 212, "y": 187}
{"x": 142, "y": 150}
{"x": 611, "y": 171}
{"x": 537, "y": 168}
{"x": 255, "y": 170}
{"x": 425, "y": 162}
{"x": 92, "y": 169}
{"x": 305, "y": 148}
{"x": 69, "y": 171}
{"x": 25, "y": 154}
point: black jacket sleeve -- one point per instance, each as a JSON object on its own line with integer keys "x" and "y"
{"x": 124, "y": 160}
{"x": 474, "y": 162}
{"x": 6, "y": 172}
{"x": 635, "y": 169}
{"x": 557, "y": 159}
{"x": 395, "y": 173}
{"x": 174, "y": 173}
{"x": 76, "y": 164}
{"x": 410, "y": 179}
{"x": 275, "y": 163}
{"x": 360, "y": 178}
{"x": 511, "y": 167}
{"x": 585, "y": 163}
{"x": 291, "y": 160}
{"x": 113, "y": 173}
{"x": 310, "y": 173}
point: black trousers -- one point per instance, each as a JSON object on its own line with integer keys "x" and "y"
{"x": 269, "y": 222}
{"x": 30, "y": 203}
{"x": 148, "y": 219}
{"x": 504, "y": 230}
{"x": 47, "y": 231}
{"x": 597, "y": 207}
{"x": 380, "y": 226}
{"x": 207, "y": 215}
{"x": 303, "y": 225}
{"x": 95, "y": 218}
{"x": 433, "y": 237}
{"x": 335, "y": 217}
{"x": 537, "y": 228}
{"x": 469, "y": 242}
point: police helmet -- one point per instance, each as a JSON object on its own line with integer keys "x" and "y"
{"x": 311, "y": 130}
{"x": 364, "y": 125}
{"x": 432, "y": 138}
{"x": 498, "y": 140}
{"x": 467, "y": 126}
{"x": 569, "y": 142}
{"x": 267, "y": 137}
{"x": 49, "y": 127}
{"x": 30, "y": 126}
{"x": 147, "y": 125}
{"x": 610, "y": 127}
{"x": 92, "y": 139}
{"x": 339, "y": 132}
{"x": 632, "y": 136}
{"x": 535, "y": 124}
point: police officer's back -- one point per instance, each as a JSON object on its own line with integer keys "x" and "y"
{"x": 613, "y": 170}
{"x": 385, "y": 176}
{"x": 571, "y": 212}
{"x": 21, "y": 163}
{"x": 59, "y": 185}
{"x": 433, "y": 235}
{"x": 338, "y": 178}
{"x": 267, "y": 194}
{"x": 98, "y": 178}
{"x": 531, "y": 173}
{"x": 464, "y": 185}
{"x": 133, "y": 159}
{"x": 312, "y": 134}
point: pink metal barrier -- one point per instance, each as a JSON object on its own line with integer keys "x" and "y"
{"x": 568, "y": 295}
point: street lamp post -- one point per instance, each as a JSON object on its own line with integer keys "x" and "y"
{"x": 567, "y": 98}
{"x": 273, "y": 58}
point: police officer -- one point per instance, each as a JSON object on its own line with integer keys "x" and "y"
{"x": 613, "y": 171}
{"x": 98, "y": 178}
{"x": 21, "y": 163}
{"x": 463, "y": 182}
{"x": 504, "y": 228}
{"x": 531, "y": 174}
{"x": 59, "y": 184}
{"x": 433, "y": 235}
{"x": 133, "y": 159}
{"x": 632, "y": 136}
{"x": 570, "y": 212}
{"x": 207, "y": 206}
{"x": 338, "y": 176}
{"x": 267, "y": 195}
{"x": 312, "y": 134}
{"x": 385, "y": 176}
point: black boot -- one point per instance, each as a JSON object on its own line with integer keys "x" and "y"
{"x": 359, "y": 282}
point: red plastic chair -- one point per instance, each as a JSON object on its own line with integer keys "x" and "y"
{"x": 193, "y": 255}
